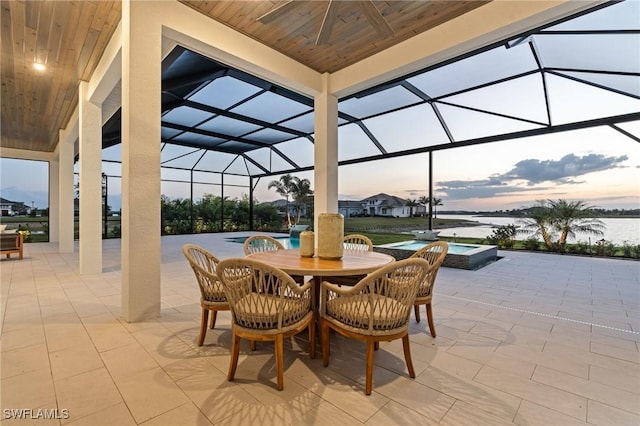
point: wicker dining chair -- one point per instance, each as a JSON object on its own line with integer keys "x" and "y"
{"x": 353, "y": 242}
{"x": 266, "y": 305}
{"x": 212, "y": 297}
{"x": 262, "y": 243}
{"x": 434, "y": 253}
{"x": 357, "y": 242}
{"x": 374, "y": 310}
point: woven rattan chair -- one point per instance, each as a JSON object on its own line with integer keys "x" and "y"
{"x": 357, "y": 242}
{"x": 262, "y": 243}
{"x": 374, "y": 310}
{"x": 212, "y": 297}
{"x": 433, "y": 253}
{"x": 266, "y": 305}
{"x": 353, "y": 242}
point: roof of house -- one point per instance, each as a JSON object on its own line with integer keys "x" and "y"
{"x": 389, "y": 200}
{"x": 350, "y": 203}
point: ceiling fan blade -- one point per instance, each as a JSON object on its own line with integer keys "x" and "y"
{"x": 376, "y": 19}
{"x": 276, "y": 12}
{"x": 327, "y": 24}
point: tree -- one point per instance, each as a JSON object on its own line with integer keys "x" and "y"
{"x": 411, "y": 204}
{"x": 560, "y": 220}
{"x": 301, "y": 192}
{"x": 284, "y": 187}
{"x": 436, "y": 202}
{"x": 423, "y": 200}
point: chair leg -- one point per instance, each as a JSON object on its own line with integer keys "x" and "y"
{"x": 416, "y": 310}
{"x": 212, "y": 323}
{"x": 252, "y": 345}
{"x": 407, "y": 355}
{"x": 312, "y": 339}
{"x": 203, "y": 326}
{"x": 324, "y": 330}
{"x": 235, "y": 353}
{"x": 280, "y": 360}
{"x": 430, "y": 319}
{"x": 369, "y": 374}
{"x": 376, "y": 346}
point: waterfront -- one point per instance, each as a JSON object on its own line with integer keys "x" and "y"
{"x": 618, "y": 230}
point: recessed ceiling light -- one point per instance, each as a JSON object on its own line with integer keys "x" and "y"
{"x": 39, "y": 67}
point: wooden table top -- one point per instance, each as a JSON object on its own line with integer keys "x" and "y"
{"x": 353, "y": 262}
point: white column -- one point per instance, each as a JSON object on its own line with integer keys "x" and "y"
{"x": 66, "y": 192}
{"x": 141, "y": 86}
{"x": 54, "y": 199}
{"x": 90, "y": 183}
{"x": 325, "y": 152}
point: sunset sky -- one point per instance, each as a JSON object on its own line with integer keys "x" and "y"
{"x": 599, "y": 166}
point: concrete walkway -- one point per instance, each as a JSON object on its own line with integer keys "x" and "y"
{"x": 533, "y": 339}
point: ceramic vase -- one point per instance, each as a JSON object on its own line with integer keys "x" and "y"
{"x": 307, "y": 244}
{"x": 330, "y": 235}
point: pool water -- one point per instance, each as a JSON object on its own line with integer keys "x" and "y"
{"x": 454, "y": 248}
{"x": 290, "y": 243}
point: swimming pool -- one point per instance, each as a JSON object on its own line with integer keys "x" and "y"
{"x": 462, "y": 256}
{"x": 290, "y": 243}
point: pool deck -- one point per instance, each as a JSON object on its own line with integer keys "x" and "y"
{"x": 532, "y": 339}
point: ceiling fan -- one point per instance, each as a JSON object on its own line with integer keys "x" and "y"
{"x": 371, "y": 13}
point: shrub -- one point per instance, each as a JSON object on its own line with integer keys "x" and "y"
{"x": 531, "y": 244}
{"x": 503, "y": 236}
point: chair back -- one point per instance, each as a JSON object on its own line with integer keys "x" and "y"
{"x": 204, "y": 266}
{"x": 434, "y": 253}
{"x": 357, "y": 242}
{"x": 263, "y": 297}
{"x": 381, "y": 302}
{"x": 261, "y": 243}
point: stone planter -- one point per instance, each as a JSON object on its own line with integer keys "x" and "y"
{"x": 330, "y": 235}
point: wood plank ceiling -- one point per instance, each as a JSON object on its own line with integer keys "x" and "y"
{"x": 69, "y": 37}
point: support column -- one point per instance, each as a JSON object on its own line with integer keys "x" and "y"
{"x": 54, "y": 199}
{"x": 141, "y": 87}
{"x": 90, "y": 183}
{"x": 325, "y": 152}
{"x": 66, "y": 190}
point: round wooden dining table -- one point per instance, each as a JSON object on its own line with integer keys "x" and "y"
{"x": 353, "y": 262}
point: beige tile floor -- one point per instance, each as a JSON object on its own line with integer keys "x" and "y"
{"x": 533, "y": 339}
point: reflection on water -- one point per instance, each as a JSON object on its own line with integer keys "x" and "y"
{"x": 618, "y": 230}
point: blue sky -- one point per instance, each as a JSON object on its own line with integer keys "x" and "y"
{"x": 599, "y": 166}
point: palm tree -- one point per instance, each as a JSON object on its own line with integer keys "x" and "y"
{"x": 284, "y": 187}
{"x": 411, "y": 204}
{"x": 436, "y": 202}
{"x": 561, "y": 219}
{"x": 573, "y": 218}
{"x": 538, "y": 224}
{"x": 423, "y": 200}
{"x": 300, "y": 191}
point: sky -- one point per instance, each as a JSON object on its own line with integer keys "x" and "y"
{"x": 598, "y": 166}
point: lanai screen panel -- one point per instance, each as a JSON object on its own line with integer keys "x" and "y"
{"x": 583, "y": 72}
{"x": 577, "y": 73}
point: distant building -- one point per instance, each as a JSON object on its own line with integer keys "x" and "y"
{"x": 350, "y": 208}
{"x": 377, "y": 205}
{"x": 12, "y": 208}
{"x": 386, "y": 205}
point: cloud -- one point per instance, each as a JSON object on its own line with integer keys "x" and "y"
{"x": 527, "y": 175}
{"x": 562, "y": 171}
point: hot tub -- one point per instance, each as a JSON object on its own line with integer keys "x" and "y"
{"x": 461, "y": 256}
